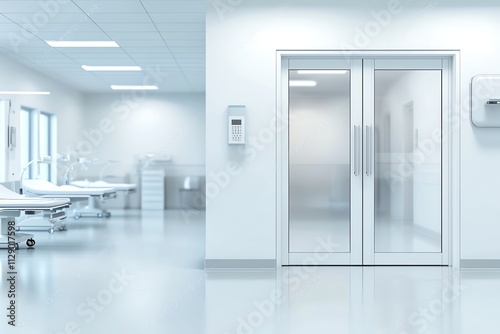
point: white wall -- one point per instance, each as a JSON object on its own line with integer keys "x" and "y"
{"x": 156, "y": 123}
{"x": 65, "y": 102}
{"x": 124, "y": 127}
{"x": 242, "y": 39}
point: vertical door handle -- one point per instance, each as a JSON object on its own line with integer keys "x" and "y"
{"x": 368, "y": 150}
{"x": 360, "y": 148}
{"x": 356, "y": 150}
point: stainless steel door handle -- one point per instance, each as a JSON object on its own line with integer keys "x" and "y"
{"x": 368, "y": 150}
{"x": 356, "y": 150}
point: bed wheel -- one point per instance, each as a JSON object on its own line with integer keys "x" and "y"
{"x": 51, "y": 230}
{"x": 77, "y": 216}
{"x": 30, "y": 242}
{"x": 99, "y": 215}
{"x": 108, "y": 214}
{"x": 62, "y": 228}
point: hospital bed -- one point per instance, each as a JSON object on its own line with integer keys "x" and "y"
{"x": 93, "y": 196}
{"x": 12, "y": 205}
{"x": 125, "y": 188}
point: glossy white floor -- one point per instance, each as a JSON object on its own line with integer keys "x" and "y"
{"x": 143, "y": 273}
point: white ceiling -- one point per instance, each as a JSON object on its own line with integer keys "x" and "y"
{"x": 158, "y": 35}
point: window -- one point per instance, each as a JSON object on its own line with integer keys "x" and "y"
{"x": 38, "y": 138}
{"x": 44, "y": 143}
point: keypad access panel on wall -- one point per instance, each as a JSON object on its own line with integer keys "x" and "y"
{"x": 236, "y": 129}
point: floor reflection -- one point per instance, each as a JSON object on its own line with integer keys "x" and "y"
{"x": 389, "y": 300}
{"x": 144, "y": 274}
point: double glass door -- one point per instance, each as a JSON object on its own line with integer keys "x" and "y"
{"x": 365, "y": 161}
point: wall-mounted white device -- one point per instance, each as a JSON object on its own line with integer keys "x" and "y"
{"x": 236, "y": 129}
{"x": 236, "y": 124}
{"x": 485, "y": 100}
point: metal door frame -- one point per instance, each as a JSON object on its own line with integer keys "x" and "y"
{"x": 450, "y": 148}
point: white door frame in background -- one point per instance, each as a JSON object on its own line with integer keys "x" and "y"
{"x": 4, "y": 139}
{"x": 451, "y": 125}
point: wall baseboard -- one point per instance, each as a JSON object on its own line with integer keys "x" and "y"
{"x": 240, "y": 264}
{"x": 480, "y": 264}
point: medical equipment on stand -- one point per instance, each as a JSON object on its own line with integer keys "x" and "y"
{"x": 83, "y": 163}
{"x": 42, "y": 160}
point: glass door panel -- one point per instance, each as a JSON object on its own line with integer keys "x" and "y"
{"x": 407, "y": 120}
{"x": 319, "y": 160}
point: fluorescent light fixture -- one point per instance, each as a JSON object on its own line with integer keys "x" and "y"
{"x": 19, "y": 92}
{"x": 83, "y": 44}
{"x": 321, "y": 71}
{"x": 119, "y": 87}
{"x": 111, "y": 68}
{"x": 302, "y": 83}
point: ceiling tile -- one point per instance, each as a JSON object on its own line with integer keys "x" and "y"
{"x": 127, "y": 26}
{"x": 172, "y": 6}
{"x": 177, "y": 17}
{"x": 111, "y": 6}
{"x": 122, "y": 18}
{"x": 84, "y": 51}
{"x": 146, "y": 49}
{"x": 133, "y": 35}
{"x": 35, "y": 11}
{"x": 43, "y": 56}
{"x": 200, "y": 49}
{"x": 198, "y": 43}
{"x": 197, "y": 36}
{"x": 129, "y": 78}
{"x": 4, "y": 19}
{"x": 189, "y": 55}
{"x": 70, "y": 26}
{"x": 114, "y": 61}
{"x": 61, "y": 17}
{"x": 73, "y": 36}
{"x": 137, "y": 43}
{"x": 102, "y": 60}
{"x": 179, "y": 27}
{"x": 7, "y": 27}
{"x": 149, "y": 55}
{"x": 99, "y": 55}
